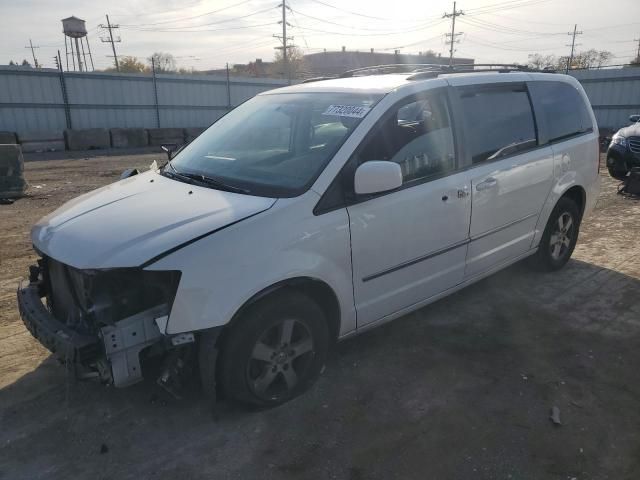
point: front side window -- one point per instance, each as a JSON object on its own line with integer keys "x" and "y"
{"x": 274, "y": 145}
{"x": 564, "y": 109}
{"x": 417, "y": 135}
{"x": 498, "y": 122}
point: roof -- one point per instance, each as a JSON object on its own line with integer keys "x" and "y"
{"x": 385, "y": 83}
{"x": 362, "y": 84}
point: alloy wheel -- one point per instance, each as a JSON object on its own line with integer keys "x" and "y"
{"x": 280, "y": 359}
{"x": 560, "y": 239}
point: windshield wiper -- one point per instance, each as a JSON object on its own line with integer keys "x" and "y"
{"x": 176, "y": 173}
{"x": 204, "y": 180}
{"x": 213, "y": 182}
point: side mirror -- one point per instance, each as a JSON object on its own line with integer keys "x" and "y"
{"x": 634, "y": 118}
{"x": 129, "y": 172}
{"x": 169, "y": 148}
{"x": 377, "y": 176}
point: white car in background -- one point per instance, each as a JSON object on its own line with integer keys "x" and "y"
{"x": 309, "y": 214}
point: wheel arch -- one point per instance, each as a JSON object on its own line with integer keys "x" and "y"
{"x": 317, "y": 289}
{"x": 579, "y": 195}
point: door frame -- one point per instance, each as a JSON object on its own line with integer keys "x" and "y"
{"x": 456, "y": 95}
{"x": 341, "y": 194}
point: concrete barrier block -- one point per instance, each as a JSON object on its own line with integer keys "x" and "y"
{"x": 12, "y": 182}
{"x": 87, "y": 139}
{"x": 44, "y": 146}
{"x": 40, "y": 136}
{"x": 193, "y": 132}
{"x": 129, "y": 137}
{"x": 8, "y": 138}
{"x": 158, "y": 136}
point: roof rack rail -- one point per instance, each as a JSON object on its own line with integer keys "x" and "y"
{"x": 316, "y": 79}
{"x": 477, "y": 68}
{"x": 386, "y": 68}
{"x": 428, "y": 70}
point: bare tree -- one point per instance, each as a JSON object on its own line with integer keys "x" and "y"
{"x": 541, "y": 62}
{"x": 164, "y": 62}
{"x": 589, "y": 59}
{"x": 295, "y": 64}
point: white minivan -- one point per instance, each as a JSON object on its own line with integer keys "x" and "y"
{"x": 309, "y": 214}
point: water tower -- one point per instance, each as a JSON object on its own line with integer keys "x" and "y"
{"x": 75, "y": 30}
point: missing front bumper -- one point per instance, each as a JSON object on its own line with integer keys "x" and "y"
{"x": 114, "y": 353}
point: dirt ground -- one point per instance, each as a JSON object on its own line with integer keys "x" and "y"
{"x": 461, "y": 389}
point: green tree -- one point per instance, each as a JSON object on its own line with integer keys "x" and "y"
{"x": 132, "y": 65}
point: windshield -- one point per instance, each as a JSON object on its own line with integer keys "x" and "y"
{"x": 275, "y": 145}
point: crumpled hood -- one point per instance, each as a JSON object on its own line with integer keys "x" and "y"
{"x": 129, "y": 222}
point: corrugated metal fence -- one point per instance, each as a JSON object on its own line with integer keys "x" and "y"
{"x": 50, "y": 100}
{"x": 46, "y": 99}
{"x": 614, "y": 94}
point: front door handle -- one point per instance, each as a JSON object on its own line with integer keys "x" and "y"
{"x": 487, "y": 184}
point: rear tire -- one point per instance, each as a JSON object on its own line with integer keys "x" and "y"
{"x": 275, "y": 351}
{"x": 559, "y": 237}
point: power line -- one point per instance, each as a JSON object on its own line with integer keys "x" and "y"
{"x": 452, "y": 36}
{"x": 110, "y": 40}
{"x": 177, "y": 20}
{"x": 349, "y": 11}
{"x": 379, "y": 34}
{"x": 204, "y": 24}
{"x": 493, "y": 27}
{"x": 501, "y": 7}
{"x": 33, "y": 53}
{"x": 203, "y": 30}
{"x": 573, "y": 45}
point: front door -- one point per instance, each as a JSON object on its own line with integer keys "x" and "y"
{"x": 511, "y": 175}
{"x": 410, "y": 244}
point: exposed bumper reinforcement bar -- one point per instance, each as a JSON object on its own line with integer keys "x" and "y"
{"x": 64, "y": 343}
{"x": 114, "y": 352}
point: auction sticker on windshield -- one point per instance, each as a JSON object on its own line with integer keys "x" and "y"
{"x": 354, "y": 111}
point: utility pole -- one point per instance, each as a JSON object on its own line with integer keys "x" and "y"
{"x": 33, "y": 53}
{"x": 285, "y": 48}
{"x": 111, "y": 40}
{"x": 452, "y": 36}
{"x": 573, "y": 45}
{"x": 637, "y": 54}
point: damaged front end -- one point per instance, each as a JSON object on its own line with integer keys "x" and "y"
{"x": 100, "y": 321}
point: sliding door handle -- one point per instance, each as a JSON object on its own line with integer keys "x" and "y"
{"x": 487, "y": 184}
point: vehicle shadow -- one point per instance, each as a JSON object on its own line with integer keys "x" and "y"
{"x": 459, "y": 389}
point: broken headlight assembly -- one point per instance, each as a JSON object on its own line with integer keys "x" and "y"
{"x": 87, "y": 300}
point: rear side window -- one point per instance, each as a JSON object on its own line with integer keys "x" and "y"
{"x": 498, "y": 122}
{"x": 563, "y": 108}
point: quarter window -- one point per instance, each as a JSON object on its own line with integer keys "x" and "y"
{"x": 416, "y": 135}
{"x": 564, "y": 109}
{"x": 499, "y": 122}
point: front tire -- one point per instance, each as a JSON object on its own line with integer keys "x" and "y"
{"x": 617, "y": 174}
{"x": 275, "y": 351}
{"x": 559, "y": 237}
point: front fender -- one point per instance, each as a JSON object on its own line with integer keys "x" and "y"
{"x": 222, "y": 272}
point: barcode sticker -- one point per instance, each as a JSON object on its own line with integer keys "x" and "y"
{"x": 354, "y": 111}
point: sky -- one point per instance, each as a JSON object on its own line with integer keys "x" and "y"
{"x": 206, "y": 34}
